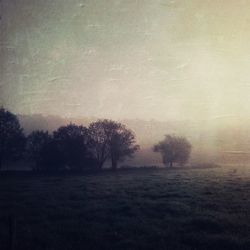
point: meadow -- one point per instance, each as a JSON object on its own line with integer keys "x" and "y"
{"x": 128, "y": 209}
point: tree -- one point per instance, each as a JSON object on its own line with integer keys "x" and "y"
{"x": 122, "y": 145}
{"x": 37, "y": 141}
{"x": 111, "y": 140}
{"x": 51, "y": 157}
{"x": 174, "y": 150}
{"x": 72, "y": 144}
{"x": 12, "y": 139}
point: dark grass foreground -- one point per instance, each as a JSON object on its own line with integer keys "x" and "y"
{"x": 147, "y": 209}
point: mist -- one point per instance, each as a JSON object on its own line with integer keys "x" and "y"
{"x": 182, "y": 64}
{"x": 220, "y": 144}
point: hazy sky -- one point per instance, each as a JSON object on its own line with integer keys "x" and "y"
{"x": 160, "y": 59}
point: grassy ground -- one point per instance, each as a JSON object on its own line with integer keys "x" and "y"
{"x": 147, "y": 209}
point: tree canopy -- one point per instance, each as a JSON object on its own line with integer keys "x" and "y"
{"x": 36, "y": 144}
{"x": 12, "y": 139}
{"x": 174, "y": 150}
{"x": 72, "y": 144}
{"x": 111, "y": 140}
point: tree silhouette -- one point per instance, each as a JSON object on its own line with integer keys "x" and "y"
{"x": 12, "y": 139}
{"x": 72, "y": 144}
{"x": 111, "y": 140}
{"x": 122, "y": 145}
{"x": 36, "y": 145}
{"x": 51, "y": 158}
{"x": 174, "y": 150}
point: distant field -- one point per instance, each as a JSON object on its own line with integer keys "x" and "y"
{"x": 140, "y": 209}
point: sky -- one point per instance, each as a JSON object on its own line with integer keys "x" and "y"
{"x": 126, "y": 59}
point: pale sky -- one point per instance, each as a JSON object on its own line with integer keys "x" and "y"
{"x": 161, "y": 59}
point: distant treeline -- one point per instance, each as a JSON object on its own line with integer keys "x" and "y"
{"x": 76, "y": 148}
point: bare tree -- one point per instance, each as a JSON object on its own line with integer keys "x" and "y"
{"x": 122, "y": 145}
{"x": 111, "y": 140}
{"x": 174, "y": 150}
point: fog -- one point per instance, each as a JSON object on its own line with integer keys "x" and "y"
{"x": 219, "y": 144}
{"x": 176, "y": 62}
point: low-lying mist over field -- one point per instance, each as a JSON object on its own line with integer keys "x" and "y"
{"x": 223, "y": 140}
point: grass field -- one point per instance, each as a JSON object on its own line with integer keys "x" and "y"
{"x": 132, "y": 209}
